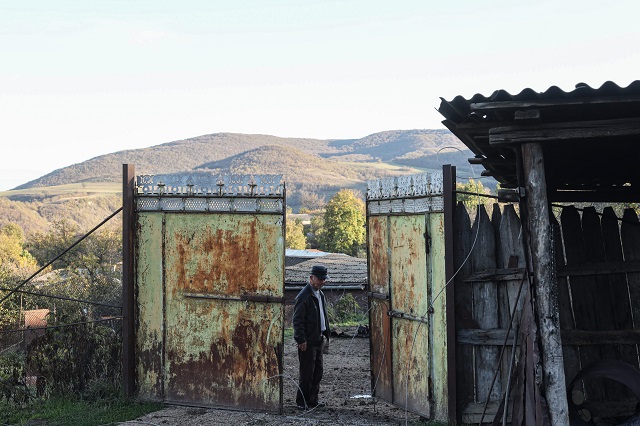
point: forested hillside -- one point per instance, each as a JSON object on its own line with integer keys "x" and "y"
{"x": 85, "y": 193}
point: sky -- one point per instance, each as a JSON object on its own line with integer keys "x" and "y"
{"x": 82, "y": 78}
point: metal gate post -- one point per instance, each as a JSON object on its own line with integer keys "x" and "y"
{"x": 128, "y": 345}
{"x": 449, "y": 198}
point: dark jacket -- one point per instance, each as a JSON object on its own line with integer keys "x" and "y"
{"x": 306, "y": 317}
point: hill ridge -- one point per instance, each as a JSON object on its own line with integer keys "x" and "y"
{"x": 188, "y": 154}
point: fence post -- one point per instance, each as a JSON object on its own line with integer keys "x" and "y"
{"x": 449, "y": 198}
{"x": 128, "y": 342}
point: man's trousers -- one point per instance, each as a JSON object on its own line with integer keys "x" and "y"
{"x": 311, "y": 370}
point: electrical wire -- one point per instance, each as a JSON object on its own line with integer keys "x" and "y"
{"x": 525, "y": 276}
{"x": 49, "y": 327}
{"x": 65, "y": 251}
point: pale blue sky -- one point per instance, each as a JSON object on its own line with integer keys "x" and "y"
{"x": 83, "y": 78}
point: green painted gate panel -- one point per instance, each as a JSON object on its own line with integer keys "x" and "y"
{"x": 209, "y": 290}
{"x": 409, "y": 300}
{"x": 150, "y": 302}
{"x": 381, "y": 378}
{"x": 407, "y": 277}
{"x": 219, "y": 348}
{"x": 438, "y": 328}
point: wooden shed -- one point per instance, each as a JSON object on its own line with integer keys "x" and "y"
{"x": 562, "y": 297}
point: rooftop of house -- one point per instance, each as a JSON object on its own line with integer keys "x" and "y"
{"x": 345, "y": 272}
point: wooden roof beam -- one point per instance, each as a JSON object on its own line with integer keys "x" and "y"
{"x": 564, "y": 131}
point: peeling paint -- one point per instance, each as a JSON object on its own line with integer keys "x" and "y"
{"x": 218, "y": 350}
{"x": 408, "y": 352}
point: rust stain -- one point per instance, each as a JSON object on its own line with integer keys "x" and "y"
{"x": 410, "y": 366}
{"x": 216, "y": 351}
{"x": 378, "y": 254}
{"x": 381, "y": 350}
{"x": 150, "y": 369}
{"x": 233, "y": 370}
{"x": 218, "y": 261}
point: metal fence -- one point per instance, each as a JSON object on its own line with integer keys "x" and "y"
{"x": 54, "y": 342}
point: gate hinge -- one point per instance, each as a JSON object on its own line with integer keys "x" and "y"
{"x": 375, "y": 295}
{"x": 428, "y": 242}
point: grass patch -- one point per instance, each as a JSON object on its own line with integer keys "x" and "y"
{"x": 288, "y": 333}
{"x": 352, "y": 323}
{"x": 70, "y": 188}
{"x": 66, "y": 411}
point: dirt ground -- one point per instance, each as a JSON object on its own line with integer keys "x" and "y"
{"x": 345, "y": 388}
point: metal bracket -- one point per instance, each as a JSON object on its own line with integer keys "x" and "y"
{"x": 404, "y": 315}
{"x": 380, "y": 296}
{"x": 511, "y": 195}
{"x": 258, "y": 298}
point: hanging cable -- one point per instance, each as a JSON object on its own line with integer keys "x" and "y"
{"x": 65, "y": 251}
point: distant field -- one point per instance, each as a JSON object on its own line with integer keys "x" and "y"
{"x": 72, "y": 188}
{"x": 393, "y": 167}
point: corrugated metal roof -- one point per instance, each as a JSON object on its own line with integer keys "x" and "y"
{"x": 293, "y": 257}
{"x": 590, "y": 135}
{"x": 461, "y": 110}
{"x": 305, "y": 253}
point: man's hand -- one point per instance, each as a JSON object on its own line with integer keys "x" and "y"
{"x": 302, "y": 346}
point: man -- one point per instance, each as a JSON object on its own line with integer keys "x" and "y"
{"x": 311, "y": 333}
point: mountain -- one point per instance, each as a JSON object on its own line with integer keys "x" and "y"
{"x": 293, "y": 163}
{"x": 188, "y": 154}
{"x": 170, "y": 157}
{"x": 309, "y": 166}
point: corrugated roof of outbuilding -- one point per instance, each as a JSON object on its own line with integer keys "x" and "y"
{"x": 590, "y": 136}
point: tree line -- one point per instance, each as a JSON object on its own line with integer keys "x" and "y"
{"x": 336, "y": 227}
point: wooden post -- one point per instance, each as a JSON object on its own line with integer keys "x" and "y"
{"x": 544, "y": 282}
{"x": 128, "y": 341}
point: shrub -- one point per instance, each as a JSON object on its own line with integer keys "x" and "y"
{"x": 83, "y": 360}
{"x": 13, "y": 385}
{"x": 345, "y": 310}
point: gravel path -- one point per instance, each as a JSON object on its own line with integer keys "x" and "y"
{"x": 345, "y": 388}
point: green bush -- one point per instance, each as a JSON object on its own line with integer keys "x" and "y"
{"x": 345, "y": 311}
{"x": 83, "y": 360}
{"x": 13, "y": 387}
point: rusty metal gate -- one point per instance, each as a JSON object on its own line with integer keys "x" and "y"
{"x": 209, "y": 274}
{"x": 405, "y": 224}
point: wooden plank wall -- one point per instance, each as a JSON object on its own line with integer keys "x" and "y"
{"x": 489, "y": 257}
{"x": 598, "y": 266}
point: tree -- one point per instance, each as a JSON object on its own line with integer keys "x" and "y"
{"x": 344, "y": 220}
{"x": 295, "y": 235}
{"x": 46, "y": 246}
{"x": 311, "y": 202}
{"x": 16, "y": 264}
{"x": 89, "y": 271}
{"x": 474, "y": 187}
{"x": 15, "y": 261}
